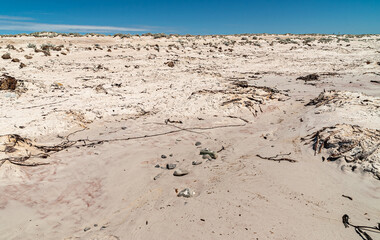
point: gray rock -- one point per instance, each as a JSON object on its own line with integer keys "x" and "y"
{"x": 163, "y": 156}
{"x": 170, "y": 166}
{"x": 157, "y": 166}
{"x": 185, "y": 193}
{"x": 198, "y": 143}
{"x": 180, "y": 172}
{"x": 196, "y": 163}
{"x": 86, "y": 229}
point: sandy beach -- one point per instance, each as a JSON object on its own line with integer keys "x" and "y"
{"x": 270, "y": 136}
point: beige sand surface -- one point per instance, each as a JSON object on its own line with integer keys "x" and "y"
{"x": 103, "y": 187}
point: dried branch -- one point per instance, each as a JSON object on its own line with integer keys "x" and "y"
{"x": 46, "y": 104}
{"x": 275, "y": 158}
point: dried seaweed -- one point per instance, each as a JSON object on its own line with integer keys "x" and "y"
{"x": 361, "y": 230}
{"x": 242, "y": 94}
{"x": 339, "y": 99}
{"x": 355, "y": 145}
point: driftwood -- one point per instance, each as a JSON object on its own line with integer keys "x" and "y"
{"x": 361, "y": 230}
{"x": 276, "y": 158}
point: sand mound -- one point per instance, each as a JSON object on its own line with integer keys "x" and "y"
{"x": 18, "y": 150}
{"x": 14, "y": 146}
{"x": 241, "y": 94}
{"x": 358, "y": 147}
{"x": 333, "y": 99}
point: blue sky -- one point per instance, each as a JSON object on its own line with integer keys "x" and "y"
{"x": 191, "y": 16}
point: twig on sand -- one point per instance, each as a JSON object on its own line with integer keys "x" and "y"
{"x": 244, "y": 120}
{"x": 28, "y": 164}
{"x": 184, "y": 129}
{"x": 46, "y": 104}
{"x": 231, "y": 101}
{"x": 275, "y": 158}
{"x": 221, "y": 149}
{"x": 165, "y": 133}
{"x": 80, "y": 130}
{"x": 172, "y": 121}
{"x": 347, "y": 197}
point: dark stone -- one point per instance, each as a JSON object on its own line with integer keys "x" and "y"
{"x": 170, "y": 166}
{"x": 180, "y": 172}
{"x": 6, "y": 56}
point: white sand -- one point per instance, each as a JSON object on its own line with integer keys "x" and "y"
{"x": 238, "y": 195}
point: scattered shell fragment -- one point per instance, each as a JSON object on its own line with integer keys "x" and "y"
{"x": 186, "y": 193}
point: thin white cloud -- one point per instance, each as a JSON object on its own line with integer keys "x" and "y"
{"x": 37, "y": 27}
{"x": 15, "y": 18}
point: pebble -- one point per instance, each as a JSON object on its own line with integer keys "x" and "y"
{"x": 185, "y": 193}
{"x": 157, "y": 176}
{"x": 196, "y": 162}
{"x": 163, "y": 156}
{"x": 180, "y": 172}
{"x": 208, "y": 152}
{"x": 157, "y": 166}
{"x": 86, "y": 229}
{"x": 170, "y": 166}
{"x": 198, "y": 143}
